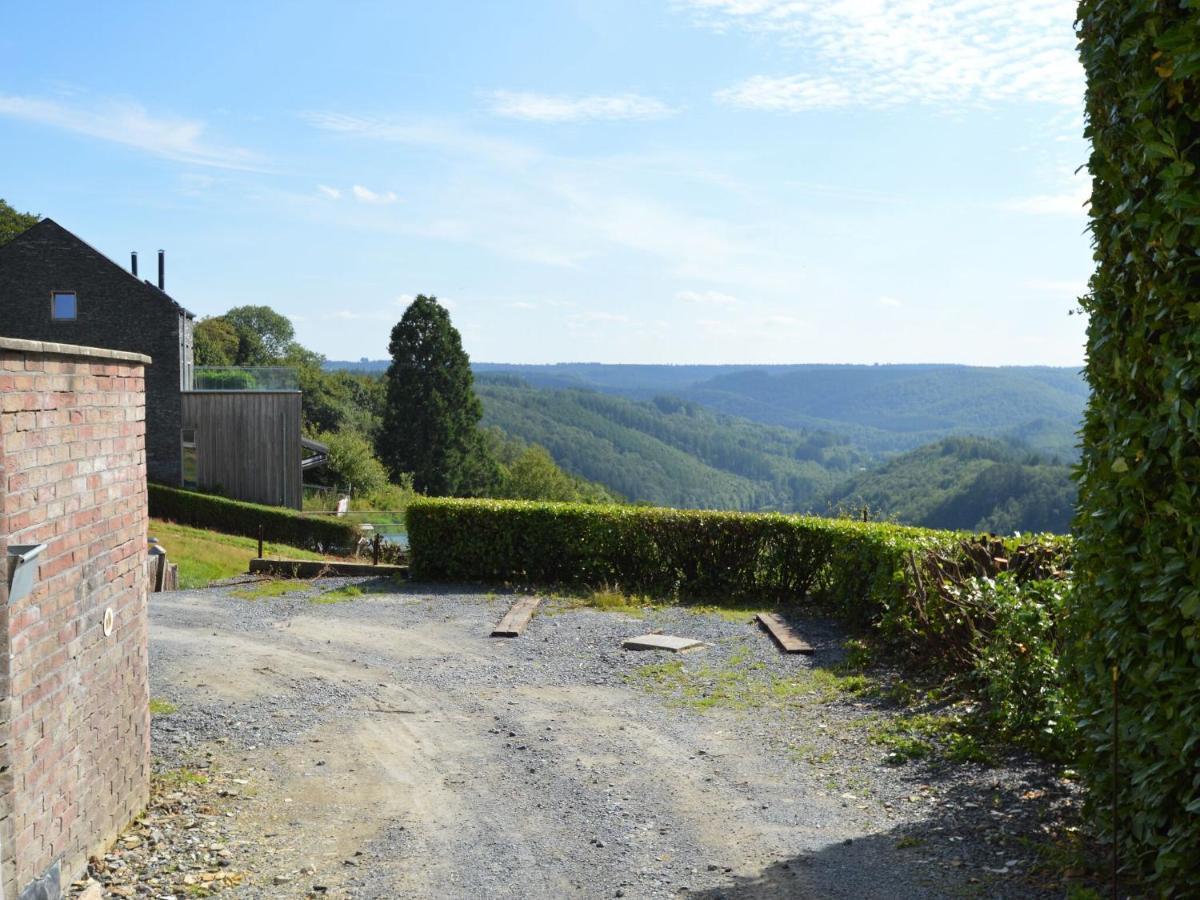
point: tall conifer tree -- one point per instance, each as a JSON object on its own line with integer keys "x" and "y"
{"x": 431, "y": 414}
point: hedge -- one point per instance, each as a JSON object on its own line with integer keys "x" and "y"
{"x": 280, "y": 525}
{"x": 853, "y": 569}
{"x": 1138, "y": 548}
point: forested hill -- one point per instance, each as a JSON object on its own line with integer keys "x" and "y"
{"x": 968, "y": 483}
{"x": 667, "y": 451}
{"x": 880, "y": 409}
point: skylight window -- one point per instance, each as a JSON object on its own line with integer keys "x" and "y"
{"x": 63, "y": 305}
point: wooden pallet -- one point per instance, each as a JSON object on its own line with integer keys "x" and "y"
{"x": 784, "y": 634}
{"x": 517, "y": 617}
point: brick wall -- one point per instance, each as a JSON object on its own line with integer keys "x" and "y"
{"x": 74, "y": 719}
{"x": 114, "y": 310}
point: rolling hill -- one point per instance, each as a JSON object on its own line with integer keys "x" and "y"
{"x": 668, "y": 451}
{"x": 881, "y": 410}
{"x": 969, "y": 483}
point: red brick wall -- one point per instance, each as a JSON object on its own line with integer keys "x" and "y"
{"x": 74, "y": 719}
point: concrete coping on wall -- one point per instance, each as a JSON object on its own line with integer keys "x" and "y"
{"x": 23, "y": 346}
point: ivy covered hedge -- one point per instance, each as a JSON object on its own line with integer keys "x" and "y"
{"x": 281, "y": 526}
{"x": 1138, "y": 554}
{"x": 851, "y": 568}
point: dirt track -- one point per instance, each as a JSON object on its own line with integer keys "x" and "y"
{"x": 392, "y": 749}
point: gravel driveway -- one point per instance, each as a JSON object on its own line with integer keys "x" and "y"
{"x": 386, "y": 747}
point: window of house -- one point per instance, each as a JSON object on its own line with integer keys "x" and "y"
{"x": 190, "y": 458}
{"x": 63, "y": 305}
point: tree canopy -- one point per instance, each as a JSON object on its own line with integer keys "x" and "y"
{"x": 431, "y": 414}
{"x": 13, "y": 223}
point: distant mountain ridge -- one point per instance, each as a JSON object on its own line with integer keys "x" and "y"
{"x": 882, "y": 409}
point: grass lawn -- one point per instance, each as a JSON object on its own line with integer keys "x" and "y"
{"x": 205, "y": 556}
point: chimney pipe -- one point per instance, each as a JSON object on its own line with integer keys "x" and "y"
{"x": 162, "y": 271}
{"x": 133, "y": 263}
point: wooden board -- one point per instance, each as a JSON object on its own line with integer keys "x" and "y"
{"x": 660, "y": 642}
{"x": 784, "y": 634}
{"x": 517, "y": 617}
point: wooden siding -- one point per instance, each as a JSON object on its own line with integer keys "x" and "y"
{"x": 247, "y": 443}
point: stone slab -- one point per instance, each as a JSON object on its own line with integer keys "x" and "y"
{"x": 661, "y": 642}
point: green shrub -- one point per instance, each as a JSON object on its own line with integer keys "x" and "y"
{"x": 1138, "y": 556}
{"x": 279, "y": 525}
{"x": 854, "y": 569}
{"x": 1019, "y": 666}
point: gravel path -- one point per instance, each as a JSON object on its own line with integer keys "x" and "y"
{"x": 387, "y": 748}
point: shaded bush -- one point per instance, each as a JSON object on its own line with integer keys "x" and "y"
{"x": 282, "y": 526}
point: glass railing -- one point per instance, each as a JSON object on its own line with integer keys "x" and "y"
{"x": 245, "y": 378}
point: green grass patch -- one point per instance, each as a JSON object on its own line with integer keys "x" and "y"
{"x": 177, "y": 778}
{"x": 160, "y": 707}
{"x": 923, "y": 735}
{"x": 207, "y": 556}
{"x": 743, "y": 683}
{"x": 264, "y": 590}
{"x": 354, "y": 591}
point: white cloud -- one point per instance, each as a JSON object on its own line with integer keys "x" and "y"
{"x": 783, "y": 321}
{"x": 129, "y": 124}
{"x": 707, "y": 298}
{"x": 889, "y": 301}
{"x": 331, "y": 192}
{"x": 1074, "y": 203}
{"x": 535, "y": 107}
{"x": 1058, "y": 287}
{"x": 351, "y": 315}
{"x": 598, "y": 318}
{"x": 887, "y": 53}
{"x": 443, "y": 136}
{"x": 366, "y": 195}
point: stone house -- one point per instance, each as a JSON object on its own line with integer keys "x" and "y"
{"x": 239, "y": 437}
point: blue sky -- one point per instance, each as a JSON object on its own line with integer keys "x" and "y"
{"x": 685, "y": 181}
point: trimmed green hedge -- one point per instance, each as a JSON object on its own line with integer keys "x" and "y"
{"x": 280, "y": 525}
{"x": 854, "y": 569}
{"x": 1138, "y": 551}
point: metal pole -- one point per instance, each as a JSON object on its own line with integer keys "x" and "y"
{"x": 375, "y": 550}
{"x": 260, "y": 540}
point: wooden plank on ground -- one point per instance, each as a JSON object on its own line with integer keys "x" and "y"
{"x": 784, "y": 634}
{"x": 517, "y": 617}
{"x": 660, "y": 642}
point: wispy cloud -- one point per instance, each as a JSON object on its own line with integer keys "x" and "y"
{"x": 887, "y": 53}
{"x": 331, "y": 192}
{"x": 707, "y": 298}
{"x": 1058, "y": 287}
{"x": 353, "y": 315}
{"x": 889, "y": 301}
{"x": 131, "y": 125}
{"x": 536, "y": 107}
{"x": 366, "y": 195}
{"x": 521, "y": 304}
{"x": 438, "y": 135}
{"x": 1070, "y": 203}
{"x": 598, "y": 318}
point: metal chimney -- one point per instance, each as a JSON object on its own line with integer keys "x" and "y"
{"x": 133, "y": 263}
{"x": 162, "y": 271}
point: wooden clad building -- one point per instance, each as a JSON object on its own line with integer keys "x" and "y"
{"x": 243, "y": 444}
